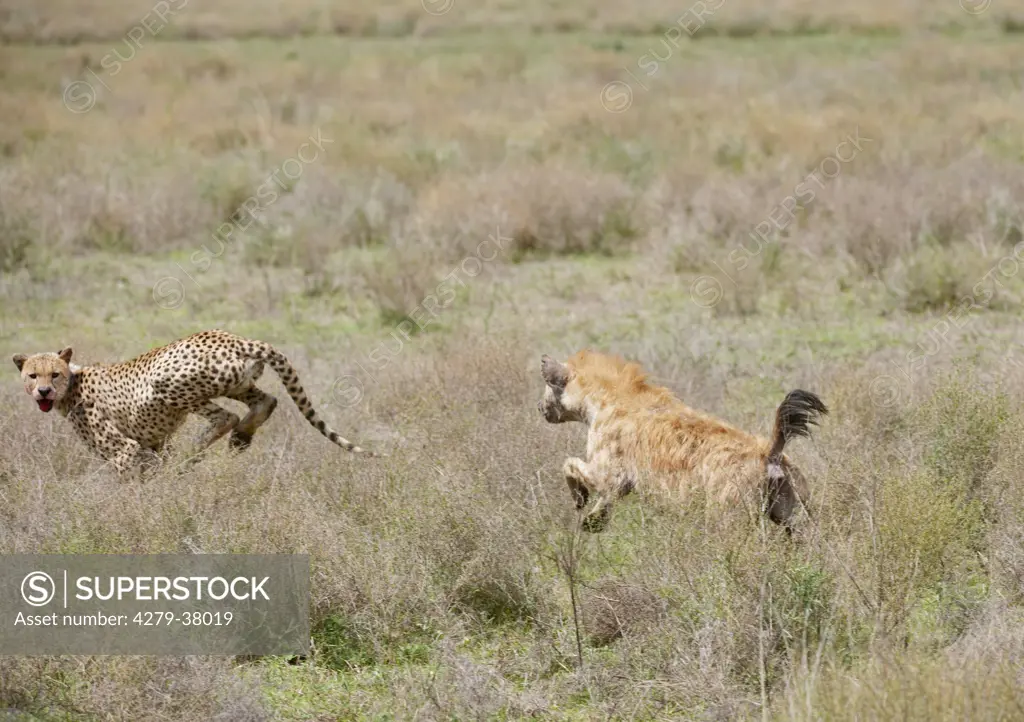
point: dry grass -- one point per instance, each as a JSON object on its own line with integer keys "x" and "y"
{"x": 440, "y": 589}
{"x": 65, "y": 21}
{"x": 415, "y": 553}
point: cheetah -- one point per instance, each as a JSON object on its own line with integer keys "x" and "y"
{"x": 640, "y": 433}
{"x": 125, "y": 412}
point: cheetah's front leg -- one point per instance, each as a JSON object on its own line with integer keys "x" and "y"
{"x": 121, "y": 451}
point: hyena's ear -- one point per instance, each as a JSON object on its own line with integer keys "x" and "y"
{"x": 556, "y": 374}
{"x": 19, "y": 360}
{"x": 65, "y": 355}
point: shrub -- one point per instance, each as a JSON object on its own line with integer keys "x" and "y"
{"x": 545, "y": 211}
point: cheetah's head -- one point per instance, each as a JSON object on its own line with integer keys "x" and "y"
{"x": 46, "y": 376}
{"x": 563, "y": 400}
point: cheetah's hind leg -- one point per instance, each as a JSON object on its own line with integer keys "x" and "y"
{"x": 261, "y": 406}
{"x": 221, "y": 421}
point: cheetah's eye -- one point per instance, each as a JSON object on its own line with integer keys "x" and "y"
{"x": 31, "y": 376}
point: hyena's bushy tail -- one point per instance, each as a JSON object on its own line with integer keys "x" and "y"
{"x": 284, "y": 369}
{"x": 797, "y": 412}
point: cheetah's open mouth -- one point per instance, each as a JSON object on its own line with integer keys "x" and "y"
{"x": 45, "y": 404}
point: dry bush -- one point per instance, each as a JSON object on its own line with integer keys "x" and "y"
{"x": 742, "y": 19}
{"x": 400, "y": 281}
{"x": 882, "y": 217}
{"x": 928, "y": 235}
{"x": 1004, "y": 500}
{"x": 460, "y": 687}
{"x": 128, "y": 688}
{"x": 17, "y": 240}
{"x": 327, "y": 212}
{"x": 936, "y": 278}
{"x": 885, "y": 216}
{"x": 701, "y": 223}
{"x": 325, "y": 215}
{"x": 544, "y": 210}
{"x": 899, "y": 687}
{"x": 918, "y": 526}
{"x": 122, "y": 210}
{"x": 611, "y": 609}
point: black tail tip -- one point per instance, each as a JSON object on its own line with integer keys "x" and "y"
{"x": 799, "y": 410}
{"x": 807, "y": 401}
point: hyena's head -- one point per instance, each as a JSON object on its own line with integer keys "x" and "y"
{"x": 46, "y": 376}
{"x": 563, "y": 399}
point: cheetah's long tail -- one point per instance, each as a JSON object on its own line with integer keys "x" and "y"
{"x": 290, "y": 379}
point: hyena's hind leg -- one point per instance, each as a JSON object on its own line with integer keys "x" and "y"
{"x": 786, "y": 496}
{"x": 261, "y": 406}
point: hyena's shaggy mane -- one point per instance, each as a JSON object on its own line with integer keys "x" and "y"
{"x": 613, "y": 379}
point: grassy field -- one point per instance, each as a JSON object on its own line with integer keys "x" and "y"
{"x": 794, "y": 195}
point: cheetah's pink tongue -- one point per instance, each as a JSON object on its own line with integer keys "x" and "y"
{"x": 45, "y": 404}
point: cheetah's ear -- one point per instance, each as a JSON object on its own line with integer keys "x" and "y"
{"x": 555, "y": 373}
{"x": 19, "y": 360}
{"x": 65, "y": 355}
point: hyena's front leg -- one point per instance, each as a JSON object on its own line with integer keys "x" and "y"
{"x": 617, "y": 485}
{"x": 575, "y": 471}
{"x": 608, "y": 484}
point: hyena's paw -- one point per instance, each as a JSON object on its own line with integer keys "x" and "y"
{"x": 580, "y": 495}
{"x": 576, "y": 479}
{"x": 596, "y": 521}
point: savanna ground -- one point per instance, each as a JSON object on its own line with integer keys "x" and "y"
{"x": 442, "y": 574}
